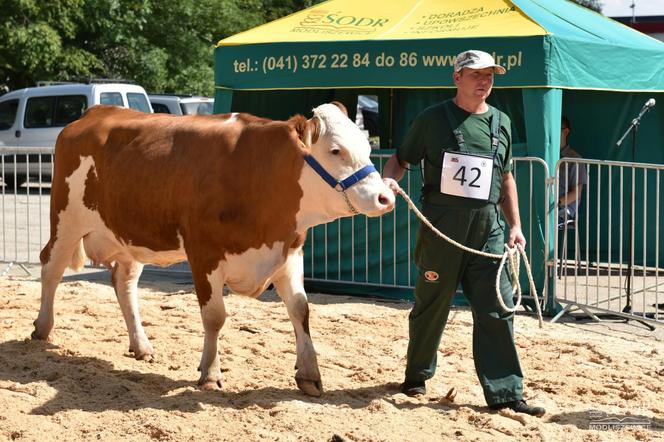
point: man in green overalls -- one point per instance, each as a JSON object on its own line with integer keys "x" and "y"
{"x": 466, "y": 149}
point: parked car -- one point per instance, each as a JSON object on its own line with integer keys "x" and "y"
{"x": 181, "y": 104}
{"x": 34, "y": 117}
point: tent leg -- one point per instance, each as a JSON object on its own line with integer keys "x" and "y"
{"x": 223, "y": 99}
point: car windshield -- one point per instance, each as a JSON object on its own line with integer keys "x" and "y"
{"x": 138, "y": 101}
{"x": 201, "y": 108}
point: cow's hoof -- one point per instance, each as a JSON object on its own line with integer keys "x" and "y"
{"x": 143, "y": 353}
{"x": 39, "y": 336}
{"x": 210, "y": 385}
{"x": 310, "y": 388}
{"x": 147, "y": 357}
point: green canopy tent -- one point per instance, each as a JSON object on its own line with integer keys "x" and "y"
{"x": 561, "y": 58}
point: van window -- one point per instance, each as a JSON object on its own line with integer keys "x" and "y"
{"x": 56, "y": 111}
{"x": 39, "y": 112}
{"x": 112, "y": 98}
{"x": 205, "y": 108}
{"x": 8, "y": 114}
{"x": 138, "y": 101}
{"x": 69, "y": 108}
{"x": 196, "y": 108}
{"x": 160, "y": 108}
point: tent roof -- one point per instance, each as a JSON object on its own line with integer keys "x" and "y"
{"x": 410, "y": 43}
{"x": 346, "y": 20}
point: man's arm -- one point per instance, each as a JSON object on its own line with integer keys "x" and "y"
{"x": 394, "y": 168}
{"x": 393, "y": 171}
{"x": 571, "y": 196}
{"x": 510, "y": 207}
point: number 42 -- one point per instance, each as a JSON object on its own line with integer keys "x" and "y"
{"x": 461, "y": 176}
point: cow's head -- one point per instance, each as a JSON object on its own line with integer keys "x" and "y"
{"x": 338, "y": 170}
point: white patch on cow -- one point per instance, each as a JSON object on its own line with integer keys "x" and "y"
{"x": 216, "y": 279}
{"x": 77, "y": 220}
{"x": 345, "y": 134}
{"x": 232, "y": 118}
{"x": 163, "y": 259}
{"x": 320, "y": 202}
{"x": 249, "y": 273}
{"x": 103, "y": 247}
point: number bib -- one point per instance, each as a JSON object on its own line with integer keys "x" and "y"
{"x": 466, "y": 175}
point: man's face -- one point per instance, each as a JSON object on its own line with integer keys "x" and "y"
{"x": 474, "y": 83}
{"x": 564, "y": 132}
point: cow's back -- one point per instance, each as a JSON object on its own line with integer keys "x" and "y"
{"x": 155, "y": 179}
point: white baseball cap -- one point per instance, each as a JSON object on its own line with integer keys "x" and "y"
{"x": 475, "y": 59}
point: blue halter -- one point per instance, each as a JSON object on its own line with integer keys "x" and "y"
{"x": 346, "y": 182}
{"x": 340, "y": 186}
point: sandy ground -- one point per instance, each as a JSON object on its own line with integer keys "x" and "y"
{"x": 85, "y": 385}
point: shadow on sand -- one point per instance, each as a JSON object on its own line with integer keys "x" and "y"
{"x": 94, "y": 385}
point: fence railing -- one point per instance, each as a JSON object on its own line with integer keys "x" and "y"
{"x": 608, "y": 256}
{"x": 369, "y": 252}
{"x": 24, "y": 202}
{"x": 607, "y": 262}
{"x": 533, "y": 182}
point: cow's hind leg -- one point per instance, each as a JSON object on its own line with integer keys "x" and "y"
{"x": 125, "y": 281}
{"x": 291, "y": 290}
{"x": 55, "y": 257}
{"x": 209, "y": 290}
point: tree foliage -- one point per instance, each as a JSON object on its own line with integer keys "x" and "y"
{"x": 594, "y": 5}
{"x": 164, "y": 45}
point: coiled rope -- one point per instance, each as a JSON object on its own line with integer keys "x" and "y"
{"x": 511, "y": 255}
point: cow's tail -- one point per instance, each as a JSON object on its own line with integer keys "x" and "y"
{"x": 78, "y": 258}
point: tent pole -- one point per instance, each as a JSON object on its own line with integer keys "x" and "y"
{"x": 223, "y": 99}
{"x": 542, "y": 112}
{"x": 389, "y": 141}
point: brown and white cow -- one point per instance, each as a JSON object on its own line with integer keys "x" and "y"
{"x": 232, "y": 194}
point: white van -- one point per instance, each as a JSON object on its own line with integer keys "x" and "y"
{"x": 34, "y": 117}
{"x": 181, "y": 104}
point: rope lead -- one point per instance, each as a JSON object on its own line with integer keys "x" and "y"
{"x": 511, "y": 255}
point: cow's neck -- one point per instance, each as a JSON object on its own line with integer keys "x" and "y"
{"x": 320, "y": 203}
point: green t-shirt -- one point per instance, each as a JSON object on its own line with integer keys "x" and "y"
{"x": 431, "y": 134}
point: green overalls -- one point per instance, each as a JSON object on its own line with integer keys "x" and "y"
{"x": 443, "y": 266}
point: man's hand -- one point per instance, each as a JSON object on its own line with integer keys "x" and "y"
{"x": 392, "y": 184}
{"x": 516, "y": 237}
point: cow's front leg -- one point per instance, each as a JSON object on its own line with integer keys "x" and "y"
{"x": 125, "y": 281}
{"x": 209, "y": 290}
{"x": 291, "y": 290}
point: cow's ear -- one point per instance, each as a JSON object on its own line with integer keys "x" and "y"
{"x": 309, "y": 131}
{"x": 340, "y": 106}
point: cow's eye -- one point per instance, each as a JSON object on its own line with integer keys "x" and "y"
{"x": 335, "y": 151}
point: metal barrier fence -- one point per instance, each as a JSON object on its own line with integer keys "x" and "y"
{"x": 609, "y": 262}
{"x": 24, "y": 201}
{"x": 368, "y": 252}
{"x": 533, "y": 182}
{"x": 348, "y": 250}
{"x": 607, "y": 257}
{"x": 353, "y": 250}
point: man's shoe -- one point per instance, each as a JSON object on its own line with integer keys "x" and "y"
{"x": 520, "y": 406}
{"x": 416, "y": 388}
